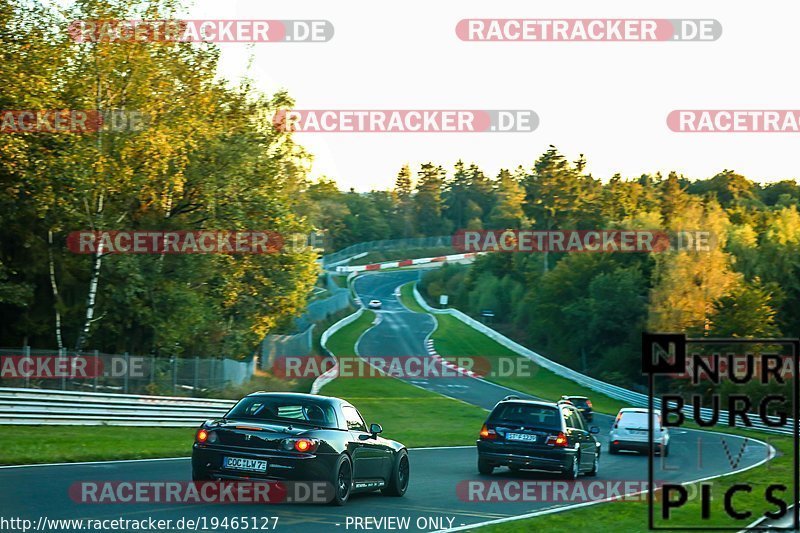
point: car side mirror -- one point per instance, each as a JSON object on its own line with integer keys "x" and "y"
{"x": 594, "y": 430}
{"x": 375, "y": 429}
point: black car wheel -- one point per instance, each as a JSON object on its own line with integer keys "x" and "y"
{"x": 595, "y": 465}
{"x": 613, "y": 450}
{"x": 484, "y": 467}
{"x": 400, "y": 474}
{"x": 343, "y": 480}
{"x": 574, "y": 469}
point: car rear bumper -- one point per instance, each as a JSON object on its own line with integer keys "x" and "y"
{"x": 207, "y": 462}
{"x": 557, "y": 460}
{"x": 639, "y": 445}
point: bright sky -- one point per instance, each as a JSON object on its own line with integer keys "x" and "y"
{"x": 606, "y": 100}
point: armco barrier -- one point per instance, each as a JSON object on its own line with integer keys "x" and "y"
{"x": 636, "y": 399}
{"x": 49, "y": 407}
{"x": 407, "y": 262}
{"x": 388, "y": 244}
{"x": 329, "y": 375}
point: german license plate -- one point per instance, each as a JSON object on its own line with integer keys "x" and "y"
{"x": 240, "y": 463}
{"x": 521, "y": 436}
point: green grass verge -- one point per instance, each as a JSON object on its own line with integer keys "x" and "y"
{"x": 407, "y": 413}
{"x": 454, "y": 338}
{"x": 407, "y": 298}
{"x": 57, "y": 444}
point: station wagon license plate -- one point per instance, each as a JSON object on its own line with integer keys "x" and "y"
{"x": 240, "y": 463}
{"x": 521, "y": 436}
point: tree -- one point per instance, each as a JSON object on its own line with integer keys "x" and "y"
{"x": 508, "y": 210}
{"x": 552, "y": 190}
{"x": 687, "y": 282}
{"x": 428, "y": 201}
{"x": 748, "y": 311}
{"x": 405, "y": 208}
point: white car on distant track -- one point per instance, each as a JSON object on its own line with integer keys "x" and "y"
{"x": 630, "y": 432}
{"x": 374, "y": 304}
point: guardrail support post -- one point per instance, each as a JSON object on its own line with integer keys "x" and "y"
{"x": 96, "y": 357}
{"x": 174, "y": 375}
{"x": 62, "y": 354}
{"x": 196, "y": 369}
{"x": 127, "y": 371}
{"x": 27, "y": 351}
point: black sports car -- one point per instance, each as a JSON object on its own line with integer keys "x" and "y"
{"x": 300, "y": 437}
{"x": 526, "y": 434}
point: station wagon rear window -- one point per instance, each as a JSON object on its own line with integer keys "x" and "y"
{"x": 527, "y": 415}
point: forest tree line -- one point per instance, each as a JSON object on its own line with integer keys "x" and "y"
{"x": 210, "y": 159}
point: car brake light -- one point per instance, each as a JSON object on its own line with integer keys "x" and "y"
{"x": 559, "y": 440}
{"x": 588, "y": 403}
{"x": 488, "y": 434}
{"x": 300, "y": 445}
{"x": 616, "y": 422}
{"x": 303, "y": 445}
{"x": 202, "y": 436}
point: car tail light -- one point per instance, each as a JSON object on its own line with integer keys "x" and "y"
{"x": 616, "y": 421}
{"x": 589, "y": 403}
{"x": 488, "y": 434}
{"x": 300, "y": 445}
{"x": 202, "y": 436}
{"x": 559, "y": 440}
{"x": 304, "y": 445}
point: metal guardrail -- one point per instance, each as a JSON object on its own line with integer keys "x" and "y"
{"x": 331, "y": 374}
{"x": 388, "y": 244}
{"x": 636, "y": 399}
{"x": 49, "y": 407}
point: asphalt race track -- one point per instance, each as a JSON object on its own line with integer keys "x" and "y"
{"x": 432, "y": 497}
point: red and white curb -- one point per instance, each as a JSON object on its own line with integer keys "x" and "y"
{"x": 452, "y": 366}
{"x": 406, "y": 262}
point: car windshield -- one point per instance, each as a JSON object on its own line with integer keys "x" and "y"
{"x": 578, "y": 402}
{"x": 526, "y": 415}
{"x": 286, "y": 410}
{"x": 637, "y": 420}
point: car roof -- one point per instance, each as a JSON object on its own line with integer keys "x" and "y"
{"x": 638, "y": 410}
{"x": 538, "y": 403}
{"x": 576, "y": 397}
{"x": 298, "y": 396}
